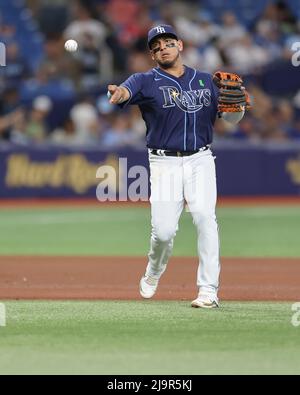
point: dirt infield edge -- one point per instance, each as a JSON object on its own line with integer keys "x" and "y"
{"x": 117, "y": 278}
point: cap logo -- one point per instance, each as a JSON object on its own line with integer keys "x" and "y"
{"x": 160, "y": 29}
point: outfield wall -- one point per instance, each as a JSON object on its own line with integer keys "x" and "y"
{"x": 242, "y": 170}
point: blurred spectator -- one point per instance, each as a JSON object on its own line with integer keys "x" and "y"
{"x": 231, "y": 30}
{"x": 279, "y": 16}
{"x": 139, "y": 62}
{"x": 262, "y": 103}
{"x": 10, "y": 110}
{"x": 270, "y": 130}
{"x": 247, "y": 130}
{"x": 18, "y": 134}
{"x": 85, "y": 119}
{"x": 91, "y": 35}
{"x": 66, "y": 135}
{"x": 294, "y": 131}
{"x": 10, "y": 99}
{"x": 192, "y": 56}
{"x": 36, "y": 128}
{"x": 9, "y": 121}
{"x": 198, "y": 32}
{"x": 285, "y": 115}
{"x": 269, "y": 38}
{"x": 105, "y": 113}
{"x": 47, "y": 83}
{"x": 59, "y": 63}
{"x": 206, "y": 58}
{"x": 130, "y": 19}
{"x": 7, "y": 32}
{"x": 137, "y": 124}
{"x": 245, "y": 56}
{"x": 119, "y": 134}
{"x": 296, "y": 101}
{"x": 17, "y": 68}
{"x": 88, "y": 58}
{"x": 83, "y": 24}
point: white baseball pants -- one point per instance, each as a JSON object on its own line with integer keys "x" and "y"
{"x": 174, "y": 181}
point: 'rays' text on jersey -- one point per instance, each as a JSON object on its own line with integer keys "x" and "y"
{"x": 188, "y": 101}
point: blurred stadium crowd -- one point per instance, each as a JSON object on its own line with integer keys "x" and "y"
{"x": 50, "y": 95}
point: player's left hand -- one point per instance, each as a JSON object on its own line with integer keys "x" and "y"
{"x": 233, "y": 96}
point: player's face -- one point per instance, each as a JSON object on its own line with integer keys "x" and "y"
{"x": 166, "y": 51}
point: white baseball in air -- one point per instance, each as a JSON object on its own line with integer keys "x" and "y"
{"x": 71, "y": 45}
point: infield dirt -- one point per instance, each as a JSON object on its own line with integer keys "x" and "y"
{"x": 39, "y": 277}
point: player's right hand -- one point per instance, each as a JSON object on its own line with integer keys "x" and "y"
{"x": 114, "y": 94}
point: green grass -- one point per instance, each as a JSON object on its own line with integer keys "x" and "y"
{"x": 113, "y": 337}
{"x": 146, "y": 337}
{"x": 245, "y": 231}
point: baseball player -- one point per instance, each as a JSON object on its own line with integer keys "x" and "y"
{"x": 179, "y": 106}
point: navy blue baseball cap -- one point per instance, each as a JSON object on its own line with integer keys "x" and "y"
{"x": 160, "y": 31}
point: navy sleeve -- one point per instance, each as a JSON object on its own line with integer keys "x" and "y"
{"x": 134, "y": 84}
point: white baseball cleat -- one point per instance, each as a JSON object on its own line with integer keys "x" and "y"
{"x": 148, "y": 286}
{"x": 205, "y": 302}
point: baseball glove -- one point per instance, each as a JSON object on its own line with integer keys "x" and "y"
{"x": 233, "y": 97}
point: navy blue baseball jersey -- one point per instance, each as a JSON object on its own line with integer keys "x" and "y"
{"x": 179, "y": 112}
